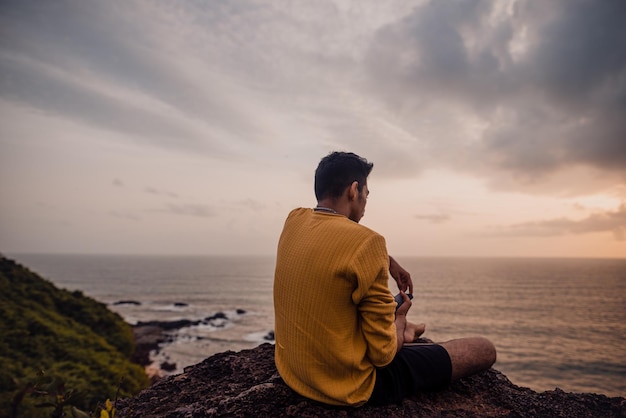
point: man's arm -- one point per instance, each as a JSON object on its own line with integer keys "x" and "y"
{"x": 401, "y": 276}
{"x": 374, "y": 301}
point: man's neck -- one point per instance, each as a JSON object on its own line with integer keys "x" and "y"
{"x": 334, "y": 206}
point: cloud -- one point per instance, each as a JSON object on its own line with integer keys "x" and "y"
{"x": 124, "y": 215}
{"x": 155, "y": 191}
{"x": 225, "y": 79}
{"x": 519, "y": 93}
{"x": 608, "y": 221}
{"x": 437, "y": 218}
{"x": 251, "y": 204}
{"x": 127, "y": 67}
{"x": 195, "y": 210}
{"x": 522, "y": 88}
{"x": 200, "y": 210}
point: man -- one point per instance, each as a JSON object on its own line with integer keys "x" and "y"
{"x": 339, "y": 338}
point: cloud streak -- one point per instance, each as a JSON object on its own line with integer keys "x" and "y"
{"x": 609, "y": 221}
{"x": 157, "y": 192}
{"x": 437, "y": 218}
{"x": 91, "y": 62}
{"x": 194, "y": 210}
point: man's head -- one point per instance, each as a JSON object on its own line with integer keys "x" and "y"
{"x": 343, "y": 174}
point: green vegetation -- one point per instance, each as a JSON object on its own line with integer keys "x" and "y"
{"x": 63, "y": 340}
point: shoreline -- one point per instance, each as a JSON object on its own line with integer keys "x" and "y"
{"x": 150, "y": 338}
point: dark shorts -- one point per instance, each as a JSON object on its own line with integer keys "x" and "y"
{"x": 414, "y": 368}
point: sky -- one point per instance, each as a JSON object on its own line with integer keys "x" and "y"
{"x": 496, "y": 128}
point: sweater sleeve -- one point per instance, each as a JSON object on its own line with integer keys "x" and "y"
{"x": 374, "y": 300}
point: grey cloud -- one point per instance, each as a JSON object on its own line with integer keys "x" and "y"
{"x": 558, "y": 101}
{"x": 609, "y": 221}
{"x": 423, "y": 58}
{"x": 581, "y": 51}
{"x": 252, "y": 204}
{"x": 124, "y": 215}
{"x": 437, "y": 218}
{"x": 158, "y": 192}
{"x": 466, "y": 85}
{"x": 196, "y": 210}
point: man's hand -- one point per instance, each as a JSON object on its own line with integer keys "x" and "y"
{"x": 401, "y": 276}
{"x": 401, "y": 322}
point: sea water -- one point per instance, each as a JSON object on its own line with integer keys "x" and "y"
{"x": 555, "y": 322}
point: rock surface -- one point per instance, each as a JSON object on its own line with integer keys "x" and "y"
{"x": 246, "y": 384}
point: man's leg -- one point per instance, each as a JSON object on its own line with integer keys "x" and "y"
{"x": 470, "y": 355}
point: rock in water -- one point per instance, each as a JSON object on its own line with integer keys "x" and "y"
{"x": 127, "y": 302}
{"x": 246, "y": 384}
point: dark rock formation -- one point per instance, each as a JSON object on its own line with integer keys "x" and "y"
{"x": 217, "y": 315}
{"x": 246, "y": 384}
{"x": 217, "y": 320}
{"x": 147, "y": 338}
{"x": 169, "y": 325}
{"x": 127, "y": 302}
{"x": 167, "y": 366}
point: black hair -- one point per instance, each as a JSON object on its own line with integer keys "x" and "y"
{"x": 337, "y": 171}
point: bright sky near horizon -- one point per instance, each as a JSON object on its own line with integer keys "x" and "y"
{"x": 496, "y": 128}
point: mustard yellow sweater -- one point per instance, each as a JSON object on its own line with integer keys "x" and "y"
{"x": 334, "y": 313}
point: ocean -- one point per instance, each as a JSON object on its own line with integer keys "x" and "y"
{"x": 555, "y": 322}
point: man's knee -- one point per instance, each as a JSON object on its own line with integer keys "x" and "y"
{"x": 470, "y": 355}
{"x": 490, "y": 353}
{"x": 485, "y": 350}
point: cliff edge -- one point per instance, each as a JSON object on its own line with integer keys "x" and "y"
{"x": 246, "y": 384}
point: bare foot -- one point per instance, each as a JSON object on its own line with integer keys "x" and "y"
{"x": 413, "y": 331}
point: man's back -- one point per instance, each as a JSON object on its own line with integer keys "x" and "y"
{"x": 334, "y": 311}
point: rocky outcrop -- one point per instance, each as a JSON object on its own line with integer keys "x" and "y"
{"x": 246, "y": 384}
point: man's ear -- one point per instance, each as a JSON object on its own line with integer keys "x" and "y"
{"x": 353, "y": 190}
